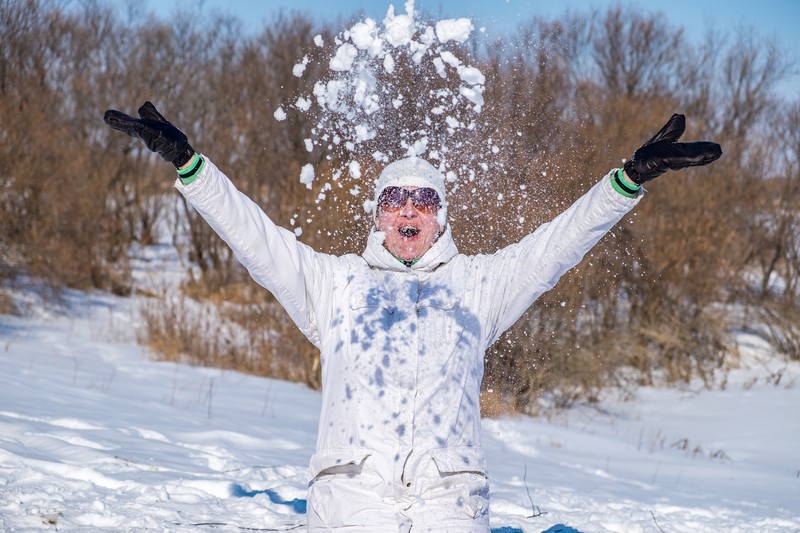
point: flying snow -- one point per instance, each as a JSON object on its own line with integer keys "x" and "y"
{"x": 300, "y": 68}
{"x": 357, "y": 104}
{"x": 454, "y": 30}
{"x": 355, "y": 169}
{"x": 307, "y": 175}
{"x": 344, "y": 58}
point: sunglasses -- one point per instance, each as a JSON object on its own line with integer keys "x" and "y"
{"x": 423, "y": 199}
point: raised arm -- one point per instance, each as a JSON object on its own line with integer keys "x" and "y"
{"x": 521, "y": 272}
{"x": 272, "y": 255}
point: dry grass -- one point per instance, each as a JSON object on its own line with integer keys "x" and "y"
{"x": 255, "y": 339}
{"x": 7, "y": 306}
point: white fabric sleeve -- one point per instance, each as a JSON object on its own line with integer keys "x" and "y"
{"x": 273, "y": 256}
{"x": 518, "y": 274}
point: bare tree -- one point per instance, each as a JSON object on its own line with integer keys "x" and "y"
{"x": 566, "y": 100}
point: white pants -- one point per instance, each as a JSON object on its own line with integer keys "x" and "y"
{"x": 364, "y": 498}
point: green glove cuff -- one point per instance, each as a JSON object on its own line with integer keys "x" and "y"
{"x": 623, "y": 185}
{"x": 189, "y": 174}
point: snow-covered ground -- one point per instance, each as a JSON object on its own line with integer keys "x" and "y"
{"x": 97, "y": 436}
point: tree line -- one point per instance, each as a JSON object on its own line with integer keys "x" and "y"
{"x": 710, "y": 251}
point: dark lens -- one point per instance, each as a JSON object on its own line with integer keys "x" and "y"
{"x": 425, "y": 199}
{"x": 392, "y": 198}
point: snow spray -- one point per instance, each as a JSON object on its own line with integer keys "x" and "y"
{"x": 393, "y": 89}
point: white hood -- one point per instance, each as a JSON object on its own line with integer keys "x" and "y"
{"x": 442, "y": 251}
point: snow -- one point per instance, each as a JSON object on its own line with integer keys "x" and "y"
{"x": 355, "y": 169}
{"x": 399, "y": 28}
{"x": 388, "y": 64}
{"x": 97, "y": 436}
{"x": 454, "y": 30}
{"x": 300, "y": 68}
{"x": 364, "y": 36}
{"x": 307, "y": 172}
{"x": 362, "y": 94}
{"x": 302, "y": 104}
{"x": 344, "y": 58}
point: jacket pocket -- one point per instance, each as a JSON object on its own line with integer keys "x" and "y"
{"x": 337, "y": 461}
{"x": 462, "y": 475}
{"x": 460, "y": 459}
{"x": 336, "y": 492}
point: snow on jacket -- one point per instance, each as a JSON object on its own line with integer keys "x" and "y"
{"x": 402, "y": 348}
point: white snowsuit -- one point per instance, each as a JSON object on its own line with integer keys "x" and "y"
{"x": 402, "y": 353}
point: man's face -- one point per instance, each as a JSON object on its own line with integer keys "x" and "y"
{"x": 409, "y": 222}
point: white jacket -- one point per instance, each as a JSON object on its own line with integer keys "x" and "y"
{"x": 401, "y": 347}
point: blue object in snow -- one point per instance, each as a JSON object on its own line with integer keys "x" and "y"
{"x": 297, "y": 505}
{"x": 561, "y": 528}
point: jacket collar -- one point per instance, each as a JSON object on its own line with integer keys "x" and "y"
{"x": 442, "y": 251}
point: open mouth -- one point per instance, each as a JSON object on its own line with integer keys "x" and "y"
{"x": 408, "y": 231}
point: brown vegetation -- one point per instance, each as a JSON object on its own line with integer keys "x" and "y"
{"x": 566, "y": 99}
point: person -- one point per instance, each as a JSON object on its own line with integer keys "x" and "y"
{"x": 403, "y": 327}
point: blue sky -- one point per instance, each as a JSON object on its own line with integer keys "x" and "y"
{"x": 773, "y": 17}
{"x": 770, "y": 18}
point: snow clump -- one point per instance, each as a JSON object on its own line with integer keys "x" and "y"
{"x": 307, "y": 175}
{"x": 300, "y": 68}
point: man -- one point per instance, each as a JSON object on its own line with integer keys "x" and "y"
{"x": 402, "y": 329}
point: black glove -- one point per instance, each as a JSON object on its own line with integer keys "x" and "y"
{"x": 663, "y": 152}
{"x": 157, "y": 133}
